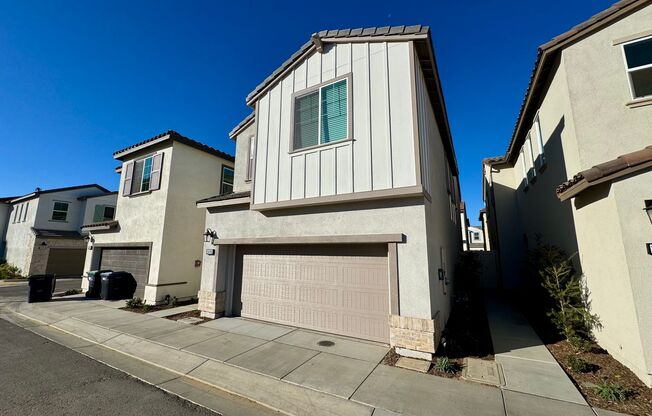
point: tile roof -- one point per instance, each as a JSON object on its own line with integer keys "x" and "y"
{"x": 39, "y": 232}
{"x": 613, "y": 169}
{"x": 236, "y": 130}
{"x": 340, "y": 33}
{"x": 173, "y": 135}
{"x": 543, "y": 63}
{"x": 101, "y": 224}
{"x": 224, "y": 197}
{"x": 493, "y": 160}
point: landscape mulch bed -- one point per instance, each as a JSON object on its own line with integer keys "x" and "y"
{"x": 155, "y": 308}
{"x": 605, "y": 370}
{"x": 466, "y": 335}
{"x": 189, "y": 314}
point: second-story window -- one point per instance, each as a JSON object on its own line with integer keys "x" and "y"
{"x": 321, "y": 116}
{"x": 638, "y": 57}
{"x": 25, "y": 208}
{"x": 103, "y": 213}
{"x": 227, "y": 180}
{"x": 142, "y": 175}
{"x": 536, "y": 127}
{"x": 60, "y": 211}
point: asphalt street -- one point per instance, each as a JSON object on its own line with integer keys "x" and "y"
{"x": 17, "y": 291}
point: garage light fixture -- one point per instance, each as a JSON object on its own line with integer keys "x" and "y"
{"x": 210, "y": 235}
{"x": 648, "y": 209}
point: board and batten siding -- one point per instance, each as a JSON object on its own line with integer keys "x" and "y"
{"x": 382, "y": 152}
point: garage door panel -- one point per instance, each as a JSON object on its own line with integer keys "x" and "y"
{"x": 131, "y": 260}
{"x": 65, "y": 261}
{"x": 339, "y": 289}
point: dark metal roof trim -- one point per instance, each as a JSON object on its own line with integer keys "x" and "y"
{"x": 224, "y": 197}
{"x": 84, "y": 198}
{"x": 36, "y": 194}
{"x": 173, "y": 135}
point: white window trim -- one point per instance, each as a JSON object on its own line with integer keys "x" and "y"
{"x": 140, "y": 185}
{"x": 531, "y": 153}
{"x": 539, "y": 133}
{"x": 523, "y": 165}
{"x": 59, "y": 210}
{"x": 349, "y": 122}
{"x": 222, "y": 182}
{"x": 25, "y": 207}
{"x": 629, "y": 70}
{"x": 251, "y": 156}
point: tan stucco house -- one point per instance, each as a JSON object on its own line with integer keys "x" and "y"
{"x": 344, "y": 217}
{"x": 41, "y": 231}
{"x": 157, "y": 231}
{"x": 578, "y": 173}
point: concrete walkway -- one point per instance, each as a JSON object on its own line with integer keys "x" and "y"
{"x": 535, "y": 384}
{"x": 294, "y": 371}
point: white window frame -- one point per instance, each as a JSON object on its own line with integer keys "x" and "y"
{"x": 251, "y": 155}
{"x": 528, "y": 141}
{"x": 523, "y": 165}
{"x": 537, "y": 129}
{"x": 317, "y": 88}
{"x": 25, "y": 208}
{"x": 54, "y": 203}
{"x": 142, "y": 176}
{"x": 629, "y": 70}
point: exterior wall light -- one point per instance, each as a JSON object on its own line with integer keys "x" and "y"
{"x": 648, "y": 209}
{"x": 210, "y": 235}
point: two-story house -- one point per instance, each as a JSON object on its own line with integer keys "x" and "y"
{"x": 344, "y": 214}
{"x": 157, "y": 231}
{"x": 587, "y": 115}
{"x": 41, "y": 231}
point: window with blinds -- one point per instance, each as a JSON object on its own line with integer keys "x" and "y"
{"x": 321, "y": 116}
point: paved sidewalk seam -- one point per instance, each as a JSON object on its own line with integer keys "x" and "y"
{"x": 504, "y": 355}
{"x": 365, "y": 379}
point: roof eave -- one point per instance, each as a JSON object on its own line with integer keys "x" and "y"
{"x": 120, "y": 155}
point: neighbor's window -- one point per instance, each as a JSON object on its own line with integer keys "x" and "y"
{"x": 103, "y": 213}
{"x": 537, "y": 130}
{"x": 25, "y": 211}
{"x": 476, "y": 236}
{"x": 528, "y": 143}
{"x": 142, "y": 175}
{"x": 524, "y": 166}
{"x": 250, "y": 158}
{"x": 638, "y": 57}
{"x": 321, "y": 116}
{"x": 60, "y": 211}
{"x": 227, "y": 180}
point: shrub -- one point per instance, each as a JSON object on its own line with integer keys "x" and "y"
{"x": 611, "y": 392}
{"x": 7, "y": 271}
{"x": 146, "y": 307}
{"x": 444, "y": 365}
{"x": 578, "y": 364}
{"x": 173, "y": 302}
{"x": 570, "y": 306}
{"x": 134, "y": 303}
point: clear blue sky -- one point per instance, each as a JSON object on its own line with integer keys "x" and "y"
{"x": 79, "y": 80}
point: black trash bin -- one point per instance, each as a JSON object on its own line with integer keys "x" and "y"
{"x": 95, "y": 283}
{"x": 41, "y": 287}
{"x": 117, "y": 285}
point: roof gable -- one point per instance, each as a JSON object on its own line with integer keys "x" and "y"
{"x": 170, "y": 135}
{"x": 38, "y": 192}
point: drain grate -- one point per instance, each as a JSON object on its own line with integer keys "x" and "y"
{"x": 325, "y": 343}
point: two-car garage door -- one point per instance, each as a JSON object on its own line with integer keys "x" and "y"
{"x": 341, "y": 289}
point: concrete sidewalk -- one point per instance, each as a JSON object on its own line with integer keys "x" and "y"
{"x": 294, "y": 371}
{"x": 535, "y": 384}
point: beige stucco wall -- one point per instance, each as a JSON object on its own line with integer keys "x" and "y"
{"x": 400, "y": 216}
{"x": 586, "y": 121}
{"x": 241, "y": 159}
{"x": 168, "y": 219}
{"x": 91, "y": 203}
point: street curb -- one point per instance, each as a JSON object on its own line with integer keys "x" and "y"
{"x": 287, "y": 393}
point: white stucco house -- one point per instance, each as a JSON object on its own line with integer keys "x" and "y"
{"x": 41, "y": 231}
{"x": 344, "y": 217}
{"x": 578, "y": 173}
{"x": 156, "y": 234}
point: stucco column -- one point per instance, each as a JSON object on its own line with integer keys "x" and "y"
{"x": 215, "y": 272}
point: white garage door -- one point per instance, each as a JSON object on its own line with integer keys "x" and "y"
{"x": 337, "y": 288}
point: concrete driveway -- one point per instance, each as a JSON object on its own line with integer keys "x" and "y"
{"x": 17, "y": 291}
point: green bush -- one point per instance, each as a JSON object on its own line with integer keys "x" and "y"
{"x": 7, "y": 271}
{"x": 444, "y": 365}
{"x": 578, "y": 364}
{"x": 611, "y": 392}
{"x": 173, "y": 302}
{"x": 146, "y": 307}
{"x": 134, "y": 303}
{"x": 570, "y": 305}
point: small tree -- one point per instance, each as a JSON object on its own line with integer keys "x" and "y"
{"x": 570, "y": 311}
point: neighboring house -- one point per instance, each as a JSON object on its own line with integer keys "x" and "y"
{"x": 588, "y": 109}
{"x": 476, "y": 238}
{"x": 157, "y": 231}
{"x": 345, "y": 213}
{"x": 41, "y": 231}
